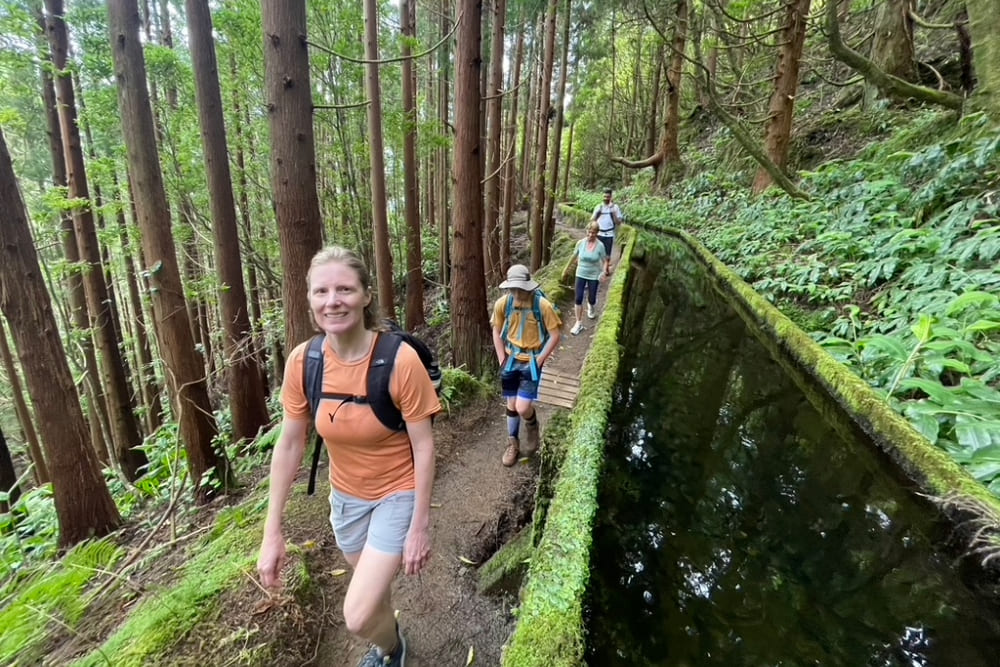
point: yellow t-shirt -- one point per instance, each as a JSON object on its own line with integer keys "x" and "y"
{"x": 367, "y": 460}
{"x": 527, "y": 337}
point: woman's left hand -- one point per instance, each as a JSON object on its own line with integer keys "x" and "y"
{"x": 416, "y": 551}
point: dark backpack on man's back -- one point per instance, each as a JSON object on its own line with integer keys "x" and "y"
{"x": 380, "y": 365}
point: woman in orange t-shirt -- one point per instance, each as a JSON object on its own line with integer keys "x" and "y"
{"x": 380, "y": 479}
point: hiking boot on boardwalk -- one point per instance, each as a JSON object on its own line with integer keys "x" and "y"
{"x": 375, "y": 657}
{"x": 530, "y": 435}
{"x": 512, "y": 452}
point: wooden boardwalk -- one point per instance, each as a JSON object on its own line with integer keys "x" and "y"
{"x": 557, "y": 388}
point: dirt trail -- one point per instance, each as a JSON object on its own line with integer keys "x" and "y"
{"x": 477, "y": 504}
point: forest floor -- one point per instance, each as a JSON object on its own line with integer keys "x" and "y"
{"x": 477, "y": 505}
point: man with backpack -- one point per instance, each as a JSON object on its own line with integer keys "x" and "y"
{"x": 608, "y": 216}
{"x": 526, "y": 330}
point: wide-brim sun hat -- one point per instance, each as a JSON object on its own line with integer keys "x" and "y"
{"x": 518, "y": 277}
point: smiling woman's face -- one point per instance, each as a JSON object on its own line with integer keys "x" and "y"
{"x": 337, "y": 298}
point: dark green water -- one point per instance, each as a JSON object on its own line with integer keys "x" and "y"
{"x": 736, "y": 527}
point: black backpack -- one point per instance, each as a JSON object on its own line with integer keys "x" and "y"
{"x": 377, "y": 395}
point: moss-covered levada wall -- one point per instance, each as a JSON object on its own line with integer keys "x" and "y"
{"x": 843, "y": 397}
{"x": 549, "y": 628}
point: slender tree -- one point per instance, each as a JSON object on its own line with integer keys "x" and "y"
{"x": 197, "y": 423}
{"x": 786, "y": 84}
{"x": 411, "y": 188}
{"x": 84, "y": 507}
{"x": 376, "y": 156}
{"x": 542, "y": 146}
{"x": 124, "y": 427}
{"x": 495, "y": 162}
{"x": 293, "y": 156}
{"x": 246, "y": 393}
{"x": 22, "y": 411}
{"x": 469, "y": 321}
{"x": 91, "y": 386}
{"x": 556, "y": 151}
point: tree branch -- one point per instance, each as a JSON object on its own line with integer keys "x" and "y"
{"x": 886, "y": 83}
{"x": 386, "y": 61}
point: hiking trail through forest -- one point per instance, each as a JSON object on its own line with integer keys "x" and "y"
{"x": 477, "y": 505}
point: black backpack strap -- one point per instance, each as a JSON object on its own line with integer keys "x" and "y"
{"x": 312, "y": 386}
{"x": 380, "y": 367}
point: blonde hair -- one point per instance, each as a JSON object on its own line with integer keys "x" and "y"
{"x": 336, "y": 254}
{"x": 593, "y": 227}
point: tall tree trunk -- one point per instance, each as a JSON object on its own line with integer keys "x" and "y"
{"x": 90, "y": 385}
{"x": 411, "y": 189}
{"x": 84, "y": 507}
{"x": 985, "y": 31}
{"x": 147, "y": 374}
{"x": 246, "y": 393}
{"x": 510, "y": 177}
{"x": 124, "y": 427}
{"x": 194, "y": 413}
{"x": 469, "y": 323}
{"x": 445, "y": 210}
{"x": 495, "y": 162}
{"x": 383, "y": 253}
{"x": 22, "y": 411}
{"x": 554, "y": 154}
{"x": 654, "y": 104}
{"x": 293, "y": 156}
{"x": 669, "y": 147}
{"x": 786, "y": 84}
{"x": 892, "y": 48}
{"x": 544, "y": 106}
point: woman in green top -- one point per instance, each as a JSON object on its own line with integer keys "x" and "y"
{"x": 591, "y": 258}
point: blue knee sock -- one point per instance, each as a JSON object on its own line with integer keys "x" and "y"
{"x": 513, "y": 422}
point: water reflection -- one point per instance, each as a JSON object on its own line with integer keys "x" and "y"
{"x": 738, "y": 528}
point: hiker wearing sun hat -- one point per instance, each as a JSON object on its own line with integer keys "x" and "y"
{"x": 526, "y": 329}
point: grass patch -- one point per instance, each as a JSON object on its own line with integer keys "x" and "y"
{"x": 226, "y": 554}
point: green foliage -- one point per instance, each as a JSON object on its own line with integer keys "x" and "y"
{"x": 50, "y": 596}
{"x": 29, "y": 533}
{"x": 459, "y": 388}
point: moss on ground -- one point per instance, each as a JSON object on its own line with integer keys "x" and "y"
{"x": 507, "y": 564}
{"x": 227, "y": 554}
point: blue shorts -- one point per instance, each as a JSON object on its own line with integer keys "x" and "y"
{"x": 381, "y": 524}
{"x": 517, "y": 382}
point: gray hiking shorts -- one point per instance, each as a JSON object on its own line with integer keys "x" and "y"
{"x": 381, "y": 524}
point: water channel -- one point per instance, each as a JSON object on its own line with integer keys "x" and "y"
{"x": 737, "y": 527}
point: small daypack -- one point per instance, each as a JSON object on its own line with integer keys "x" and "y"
{"x": 380, "y": 365}
{"x": 543, "y": 333}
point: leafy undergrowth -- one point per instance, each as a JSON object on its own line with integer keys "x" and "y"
{"x": 892, "y": 266}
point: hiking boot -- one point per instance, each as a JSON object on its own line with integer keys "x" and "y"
{"x": 577, "y": 328}
{"x": 512, "y": 452}
{"x": 530, "y": 436}
{"x": 375, "y": 657}
{"x": 590, "y": 311}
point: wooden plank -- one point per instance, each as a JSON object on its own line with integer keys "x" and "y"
{"x": 559, "y": 389}
{"x": 552, "y": 374}
{"x": 557, "y": 402}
